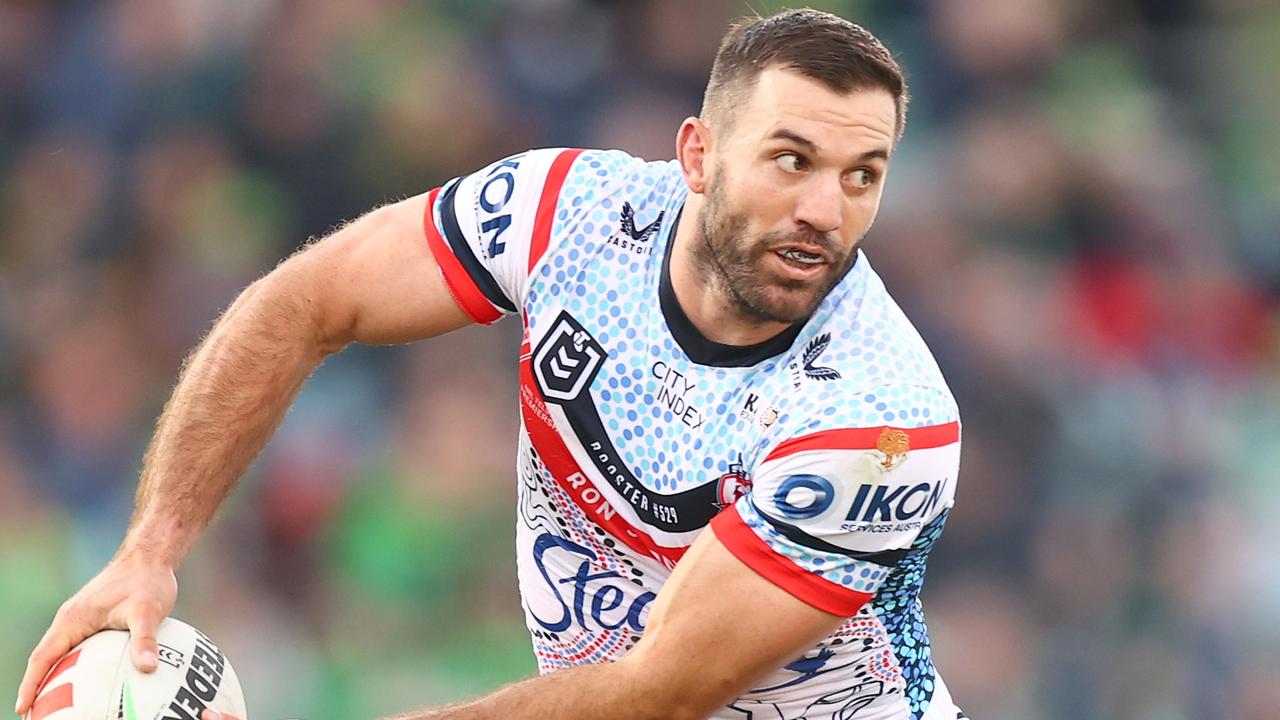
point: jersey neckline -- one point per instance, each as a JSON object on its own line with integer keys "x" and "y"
{"x": 696, "y": 346}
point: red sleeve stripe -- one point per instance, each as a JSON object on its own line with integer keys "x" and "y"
{"x": 546, "y": 216}
{"x": 461, "y": 286}
{"x": 734, "y": 533}
{"x": 932, "y": 436}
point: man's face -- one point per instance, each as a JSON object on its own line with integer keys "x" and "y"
{"x": 793, "y": 186}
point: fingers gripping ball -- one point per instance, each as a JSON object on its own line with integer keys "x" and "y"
{"x": 97, "y": 680}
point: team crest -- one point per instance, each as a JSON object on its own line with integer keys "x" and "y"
{"x": 732, "y": 485}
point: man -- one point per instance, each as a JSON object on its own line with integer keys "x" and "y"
{"x": 704, "y": 345}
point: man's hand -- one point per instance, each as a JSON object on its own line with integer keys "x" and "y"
{"x": 129, "y": 594}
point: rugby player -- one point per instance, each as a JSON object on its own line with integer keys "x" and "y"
{"x": 704, "y": 344}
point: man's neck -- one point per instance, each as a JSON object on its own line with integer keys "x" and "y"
{"x": 701, "y": 293}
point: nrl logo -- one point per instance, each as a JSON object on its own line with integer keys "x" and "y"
{"x": 566, "y": 359}
{"x": 894, "y": 444}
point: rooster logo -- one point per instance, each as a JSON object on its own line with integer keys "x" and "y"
{"x": 894, "y": 444}
{"x": 807, "y": 668}
{"x": 812, "y": 352}
{"x": 733, "y": 484}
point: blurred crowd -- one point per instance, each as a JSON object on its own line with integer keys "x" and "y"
{"x": 1083, "y": 220}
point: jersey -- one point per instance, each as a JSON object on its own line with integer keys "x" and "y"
{"x": 825, "y": 458}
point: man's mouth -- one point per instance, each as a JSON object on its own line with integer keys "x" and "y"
{"x": 801, "y": 263}
{"x": 801, "y": 256}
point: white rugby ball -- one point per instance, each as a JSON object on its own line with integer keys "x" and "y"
{"x": 97, "y": 680}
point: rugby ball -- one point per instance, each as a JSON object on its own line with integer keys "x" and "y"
{"x": 97, "y": 680}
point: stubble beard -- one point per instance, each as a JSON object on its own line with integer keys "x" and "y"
{"x": 731, "y": 257}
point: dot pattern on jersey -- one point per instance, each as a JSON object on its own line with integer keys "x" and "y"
{"x": 898, "y": 605}
{"x": 610, "y": 290}
{"x": 607, "y": 281}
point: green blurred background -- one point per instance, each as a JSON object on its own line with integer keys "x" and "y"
{"x": 1083, "y": 220}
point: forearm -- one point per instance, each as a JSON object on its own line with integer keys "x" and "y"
{"x": 231, "y": 394}
{"x": 607, "y": 691}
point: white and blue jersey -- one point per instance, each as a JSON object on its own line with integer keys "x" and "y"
{"x": 824, "y": 458}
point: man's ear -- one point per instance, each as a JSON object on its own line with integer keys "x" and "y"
{"x": 693, "y": 145}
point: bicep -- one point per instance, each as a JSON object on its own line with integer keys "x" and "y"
{"x": 376, "y": 280}
{"x": 718, "y": 627}
{"x": 430, "y": 264}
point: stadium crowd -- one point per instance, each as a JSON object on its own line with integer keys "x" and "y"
{"x": 1083, "y": 220}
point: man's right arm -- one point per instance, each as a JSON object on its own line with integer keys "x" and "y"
{"x": 373, "y": 281}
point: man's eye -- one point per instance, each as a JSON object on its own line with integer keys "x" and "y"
{"x": 790, "y": 162}
{"x": 862, "y": 178}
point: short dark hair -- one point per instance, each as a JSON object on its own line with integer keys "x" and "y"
{"x": 841, "y": 55}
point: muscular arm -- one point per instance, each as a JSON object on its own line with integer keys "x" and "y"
{"x": 373, "y": 281}
{"x": 697, "y": 653}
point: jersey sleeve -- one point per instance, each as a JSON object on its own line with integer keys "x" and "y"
{"x": 832, "y": 510}
{"x": 488, "y": 230}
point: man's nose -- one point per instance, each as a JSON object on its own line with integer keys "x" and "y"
{"x": 821, "y": 206}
